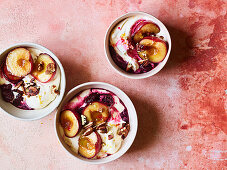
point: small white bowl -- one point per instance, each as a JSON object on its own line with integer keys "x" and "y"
{"x": 132, "y": 121}
{"x": 164, "y": 32}
{"x": 33, "y": 114}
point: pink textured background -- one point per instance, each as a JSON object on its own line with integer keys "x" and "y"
{"x": 181, "y": 110}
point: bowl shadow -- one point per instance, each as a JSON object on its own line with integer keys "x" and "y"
{"x": 182, "y": 45}
{"x": 75, "y": 73}
{"x": 148, "y": 125}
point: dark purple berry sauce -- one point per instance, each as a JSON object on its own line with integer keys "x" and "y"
{"x": 8, "y": 96}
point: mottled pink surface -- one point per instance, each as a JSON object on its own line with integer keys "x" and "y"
{"x": 181, "y": 110}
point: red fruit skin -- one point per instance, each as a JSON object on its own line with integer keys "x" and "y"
{"x": 79, "y": 122}
{"x": 32, "y": 63}
{"x": 139, "y": 24}
{"x": 156, "y": 39}
{"x": 98, "y": 144}
{"x": 8, "y": 76}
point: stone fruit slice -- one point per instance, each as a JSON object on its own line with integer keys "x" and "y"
{"x": 19, "y": 62}
{"x": 144, "y": 28}
{"x": 8, "y": 76}
{"x": 152, "y": 48}
{"x": 96, "y": 112}
{"x": 89, "y": 146}
{"x": 45, "y": 68}
{"x": 70, "y": 122}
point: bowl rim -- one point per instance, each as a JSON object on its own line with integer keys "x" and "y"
{"x": 79, "y": 88}
{"x": 113, "y": 64}
{"x": 62, "y": 82}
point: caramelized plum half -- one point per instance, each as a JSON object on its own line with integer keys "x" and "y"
{"x": 70, "y": 122}
{"x": 96, "y": 112}
{"x": 89, "y": 146}
{"x": 152, "y": 48}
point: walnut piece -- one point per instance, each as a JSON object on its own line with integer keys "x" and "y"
{"x": 32, "y": 91}
{"x": 50, "y": 68}
{"x": 90, "y": 124}
{"x": 110, "y": 137}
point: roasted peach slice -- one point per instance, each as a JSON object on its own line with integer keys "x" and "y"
{"x": 89, "y": 146}
{"x": 145, "y": 28}
{"x": 96, "y": 112}
{"x": 152, "y": 48}
{"x": 19, "y": 62}
{"x": 70, "y": 122}
{"x": 45, "y": 68}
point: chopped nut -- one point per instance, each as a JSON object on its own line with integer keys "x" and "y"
{"x": 119, "y": 132}
{"x": 101, "y": 128}
{"x": 127, "y": 127}
{"x": 104, "y": 130}
{"x": 88, "y": 131}
{"x": 50, "y": 68}
{"x": 124, "y": 131}
{"x": 32, "y": 91}
{"x": 101, "y": 125}
{"x": 19, "y": 84}
{"x": 90, "y": 124}
{"x": 110, "y": 137}
{"x": 40, "y": 66}
{"x": 144, "y": 62}
{"x": 56, "y": 91}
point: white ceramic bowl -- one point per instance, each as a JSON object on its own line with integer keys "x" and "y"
{"x": 33, "y": 114}
{"x": 163, "y": 32}
{"x": 132, "y": 121}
